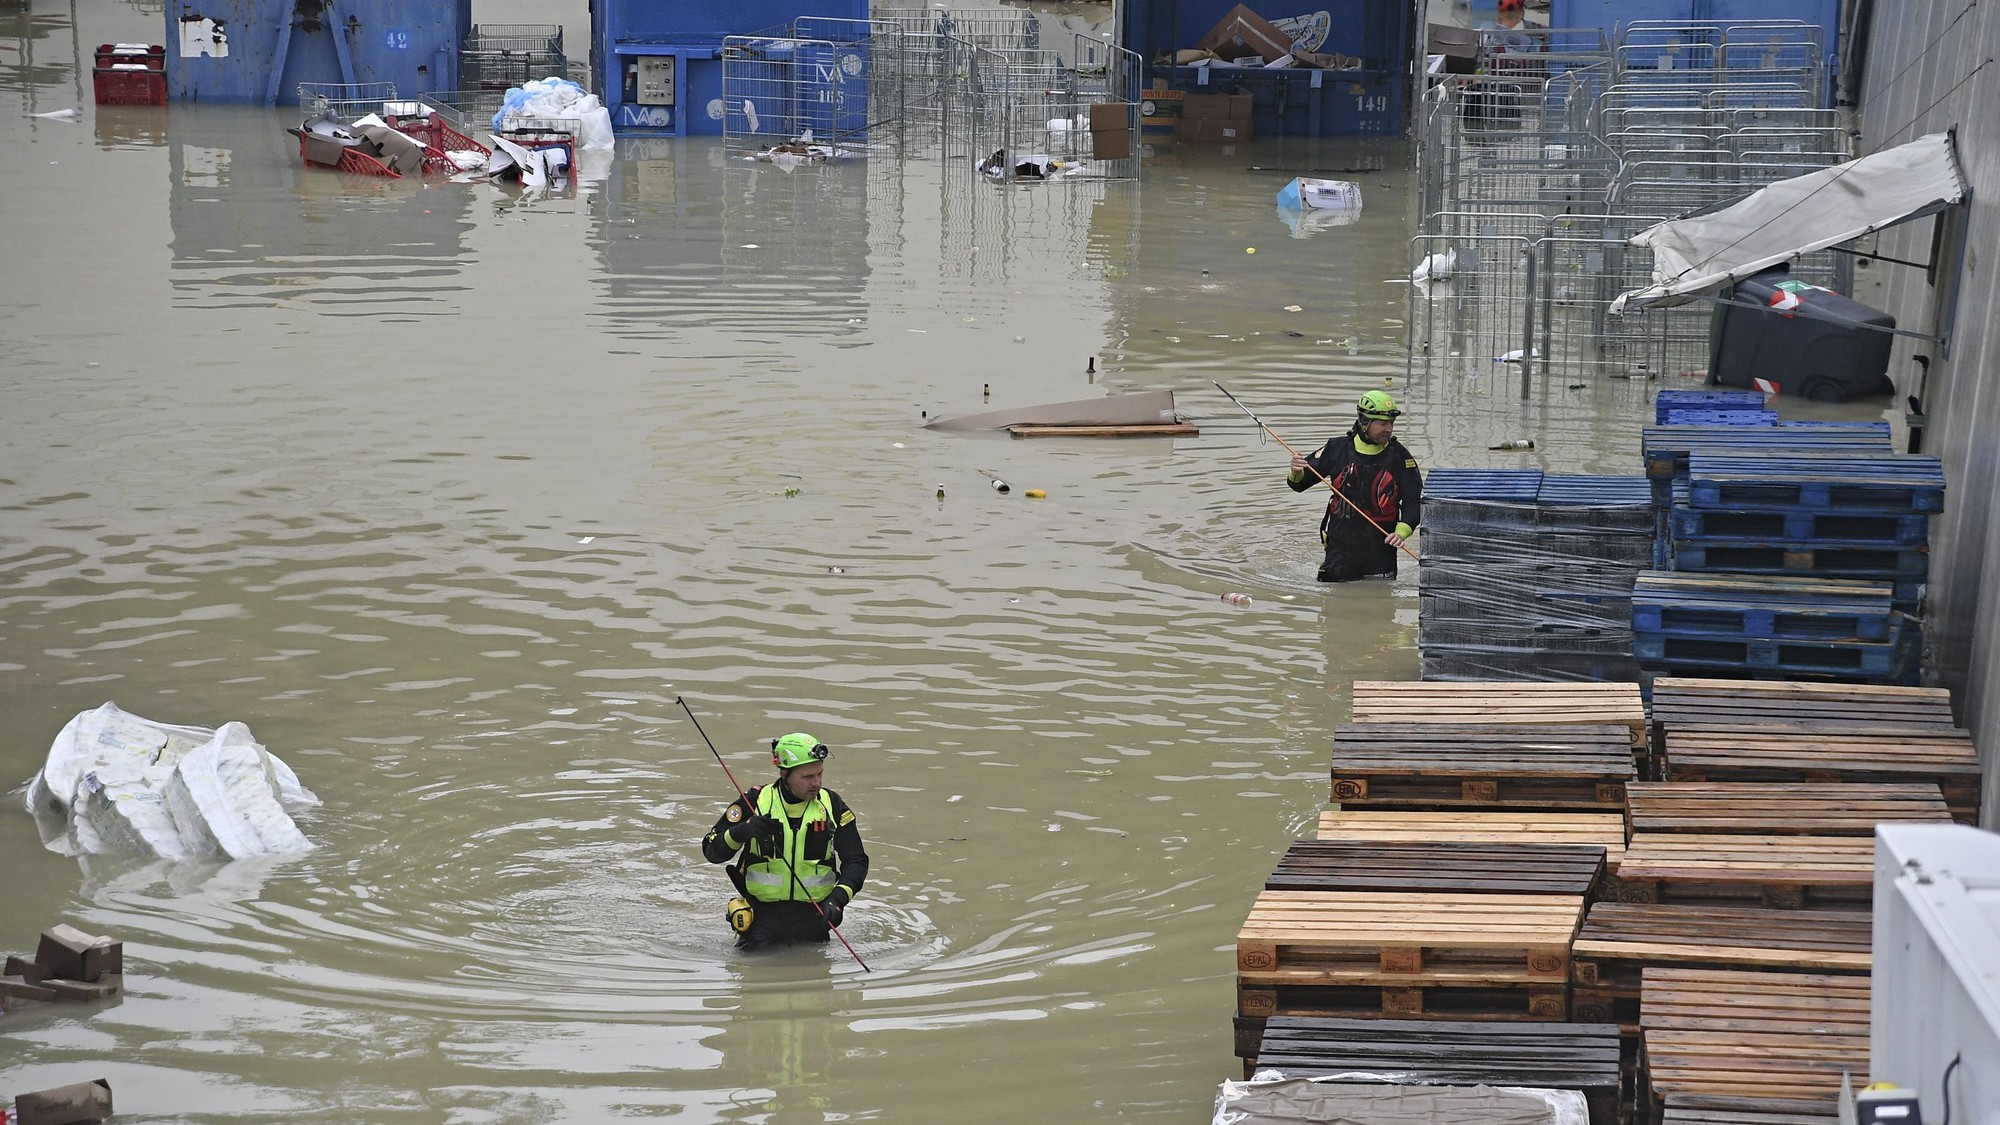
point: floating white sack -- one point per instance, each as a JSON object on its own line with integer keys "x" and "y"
{"x": 115, "y": 782}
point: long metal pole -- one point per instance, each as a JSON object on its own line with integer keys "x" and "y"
{"x": 1329, "y": 484}
{"x": 786, "y": 859}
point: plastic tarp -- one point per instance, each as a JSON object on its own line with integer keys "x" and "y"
{"x": 116, "y": 782}
{"x": 1779, "y": 222}
{"x": 1271, "y": 1100}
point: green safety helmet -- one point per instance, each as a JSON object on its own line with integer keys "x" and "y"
{"x": 1379, "y": 406}
{"x": 796, "y": 749}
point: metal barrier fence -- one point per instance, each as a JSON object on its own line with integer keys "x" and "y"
{"x": 1536, "y": 170}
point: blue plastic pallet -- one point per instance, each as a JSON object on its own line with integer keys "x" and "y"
{"x": 1803, "y": 559}
{"x": 1701, "y": 416}
{"x": 1516, "y": 486}
{"x": 1599, "y": 492}
{"x": 1764, "y": 607}
{"x": 1881, "y": 428}
{"x": 1827, "y": 527}
{"x": 1866, "y": 658}
{"x": 1870, "y": 483}
{"x": 1666, "y": 401}
{"x": 1666, "y": 449}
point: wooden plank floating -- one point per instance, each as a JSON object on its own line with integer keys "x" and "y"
{"x": 1806, "y": 707}
{"x": 1557, "y": 1056}
{"x": 1502, "y": 702}
{"x": 1753, "y": 753}
{"x": 1351, "y": 865}
{"x": 1779, "y": 808}
{"x": 1603, "y": 830}
{"x": 1444, "y": 765}
{"x": 1751, "y": 1041}
{"x": 1784, "y": 872}
{"x": 1618, "y": 940}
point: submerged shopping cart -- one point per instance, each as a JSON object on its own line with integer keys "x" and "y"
{"x": 329, "y": 136}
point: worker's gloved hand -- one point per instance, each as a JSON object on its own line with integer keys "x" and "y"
{"x": 834, "y": 905}
{"x": 765, "y": 829}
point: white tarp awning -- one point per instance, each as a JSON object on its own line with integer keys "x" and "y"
{"x": 1781, "y": 221}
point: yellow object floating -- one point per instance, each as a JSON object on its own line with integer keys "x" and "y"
{"x": 1035, "y": 494}
{"x": 1249, "y": 249}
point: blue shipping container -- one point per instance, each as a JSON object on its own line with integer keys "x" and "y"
{"x": 1368, "y": 100}
{"x": 660, "y": 65}
{"x": 261, "y": 50}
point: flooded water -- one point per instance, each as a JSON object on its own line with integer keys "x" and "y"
{"x": 450, "y": 493}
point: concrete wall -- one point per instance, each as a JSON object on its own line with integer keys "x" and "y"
{"x": 1930, "y": 67}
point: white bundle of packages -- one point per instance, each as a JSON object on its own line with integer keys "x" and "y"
{"x": 128, "y": 784}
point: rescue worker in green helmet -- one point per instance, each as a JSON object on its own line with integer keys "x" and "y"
{"x": 798, "y": 853}
{"x": 1374, "y": 478}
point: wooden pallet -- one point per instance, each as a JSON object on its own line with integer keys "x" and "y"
{"x": 1619, "y": 940}
{"x": 1783, "y": 872}
{"x": 1603, "y": 830}
{"x": 1729, "y": 1111}
{"x": 1442, "y": 997}
{"x": 1556, "y": 1056}
{"x": 1501, "y": 702}
{"x": 1807, "y": 707}
{"x": 1447, "y": 765}
{"x": 1779, "y": 808}
{"x": 1745, "y": 753}
{"x": 1368, "y": 937}
{"x": 1454, "y": 868}
{"x": 1776, "y": 1042}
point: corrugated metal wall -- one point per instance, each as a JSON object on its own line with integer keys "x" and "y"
{"x": 1930, "y": 68}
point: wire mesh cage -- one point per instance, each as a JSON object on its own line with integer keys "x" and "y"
{"x": 1535, "y": 172}
{"x": 346, "y": 100}
{"x": 499, "y": 56}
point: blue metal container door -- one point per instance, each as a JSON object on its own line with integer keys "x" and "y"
{"x": 261, "y": 50}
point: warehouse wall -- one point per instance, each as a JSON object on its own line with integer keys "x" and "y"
{"x": 1929, "y": 67}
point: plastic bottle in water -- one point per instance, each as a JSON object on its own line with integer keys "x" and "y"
{"x": 1234, "y": 598}
{"x": 1516, "y": 443}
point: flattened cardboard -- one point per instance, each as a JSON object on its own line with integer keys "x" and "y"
{"x": 65, "y": 1105}
{"x": 1243, "y": 33}
{"x": 15, "y": 988}
{"x": 102, "y": 988}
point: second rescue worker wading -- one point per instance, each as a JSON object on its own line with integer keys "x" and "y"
{"x": 1374, "y": 473}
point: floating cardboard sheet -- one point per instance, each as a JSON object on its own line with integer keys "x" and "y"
{"x": 1144, "y": 409}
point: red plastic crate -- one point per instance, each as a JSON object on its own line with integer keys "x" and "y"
{"x": 153, "y": 56}
{"x": 129, "y": 84}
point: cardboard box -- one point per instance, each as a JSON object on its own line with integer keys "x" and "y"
{"x": 64, "y": 1105}
{"x": 1243, "y": 33}
{"x": 1111, "y": 144}
{"x": 1214, "y": 131}
{"x": 1110, "y": 115}
{"x": 1318, "y": 61}
{"x": 16, "y": 988}
{"x": 102, "y": 988}
{"x": 68, "y": 952}
{"x": 1217, "y": 107}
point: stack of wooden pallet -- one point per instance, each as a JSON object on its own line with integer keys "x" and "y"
{"x": 1748, "y": 872}
{"x": 1449, "y": 882}
{"x": 1720, "y": 1046}
{"x": 1491, "y": 855}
